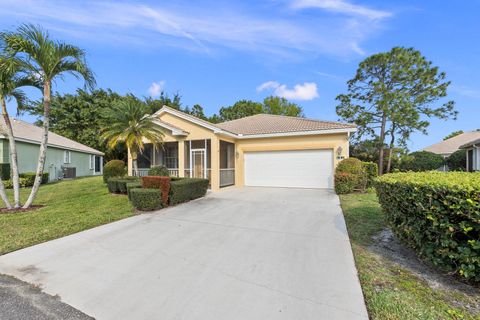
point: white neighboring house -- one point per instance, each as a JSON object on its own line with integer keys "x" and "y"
{"x": 473, "y": 155}
{"x": 446, "y": 147}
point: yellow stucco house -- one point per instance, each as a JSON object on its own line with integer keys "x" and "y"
{"x": 261, "y": 150}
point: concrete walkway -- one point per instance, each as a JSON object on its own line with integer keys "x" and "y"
{"x": 251, "y": 253}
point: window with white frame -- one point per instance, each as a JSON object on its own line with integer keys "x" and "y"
{"x": 67, "y": 156}
{"x": 92, "y": 161}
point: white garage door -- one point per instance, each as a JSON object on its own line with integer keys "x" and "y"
{"x": 298, "y": 169}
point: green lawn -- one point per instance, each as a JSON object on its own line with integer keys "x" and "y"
{"x": 70, "y": 206}
{"x": 390, "y": 291}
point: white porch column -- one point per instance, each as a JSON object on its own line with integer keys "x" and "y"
{"x": 181, "y": 158}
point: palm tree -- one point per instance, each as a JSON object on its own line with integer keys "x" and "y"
{"x": 46, "y": 60}
{"x": 129, "y": 123}
{"x": 12, "y": 77}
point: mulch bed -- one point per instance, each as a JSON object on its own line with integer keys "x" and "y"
{"x": 18, "y": 210}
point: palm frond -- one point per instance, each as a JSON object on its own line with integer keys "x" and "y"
{"x": 128, "y": 123}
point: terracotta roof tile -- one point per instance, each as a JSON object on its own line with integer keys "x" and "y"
{"x": 271, "y": 124}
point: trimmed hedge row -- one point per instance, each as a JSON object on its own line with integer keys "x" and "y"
{"x": 133, "y": 185}
{"x": 119, "y": 185}
{"x": 167, "y": 191}
{"x": 26, "y": 180}
{"x": 162, "y": 183}
{"x": 146, "y": 199}
{"x": 183, "y": 190}
{"x": 438, "y": 215}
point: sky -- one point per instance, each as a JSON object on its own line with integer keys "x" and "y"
{"x": 217, "y": 52}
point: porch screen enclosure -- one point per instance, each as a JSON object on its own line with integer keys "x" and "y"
{"x": 227, "y": 164}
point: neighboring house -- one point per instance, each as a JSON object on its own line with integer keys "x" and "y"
{"x": 62, "y": 153}
{"x": 261, "y": 150}
{"x": 473, "y": 155}
{"x": 449, "y": 146}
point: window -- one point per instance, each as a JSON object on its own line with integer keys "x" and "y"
{"x": 92, "y": 161}
{"x": 67, "y": 157}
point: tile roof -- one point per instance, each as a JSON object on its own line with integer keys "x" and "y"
{"x": 272, "y": 124}
{"x": 26, "y": 131}
{"x": 451, "y": 145}
{"x": 471, "y": 143}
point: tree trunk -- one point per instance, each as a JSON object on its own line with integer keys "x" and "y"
{"x": 390, "y": 151}
{"x": 133, "y": 155}
{"x": 3, "y": 195}
{"x": 13, "y": 155}
{"x": 43, "y": 144}
{"x": 381, "y": 147}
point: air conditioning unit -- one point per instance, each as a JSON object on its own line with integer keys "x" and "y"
{"x": 69, "y": 173}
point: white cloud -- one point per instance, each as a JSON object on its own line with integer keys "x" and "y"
{"x": 156, "y": 88}
{"x": 342, "y": 6}
{"x": 466, "y": 91}
{"x": 305, "y": 91}
{"x": 206, "y": 26}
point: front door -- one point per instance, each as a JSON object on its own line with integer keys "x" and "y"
{"x": 198, "y": 163}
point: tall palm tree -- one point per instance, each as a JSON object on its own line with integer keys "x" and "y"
{"x": 47, "y": 60}
{"x": 13, "y": 77}
{"x": 129, "y": 123}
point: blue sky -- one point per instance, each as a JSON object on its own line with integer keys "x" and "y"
{"x": 217, "y": 52}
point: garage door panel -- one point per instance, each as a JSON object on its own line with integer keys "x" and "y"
{"x": 300, "y": 169}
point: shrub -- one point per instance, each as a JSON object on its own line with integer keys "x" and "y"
{"x": 146, "y": 199}
{"x": 158, "y": 171}
{"x": 187, "y": 189}
{"x": 132, "y": 185}
{"x": 345, "y": 182}
{"x": 112, "y": 185}
{"x": 437, "y": 214}
{"x": 421, "y": 161}
{"x": 457, "y": 161}
{"x": 162, "y": 183}
{"x": 371, "y": 170}
{"x": 114, "y": 168}
{"x": 5, "y": 171}
{"x": 29, "y": 178}
{"x": 352, "y": 172}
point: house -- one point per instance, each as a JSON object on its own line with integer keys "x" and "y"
{"x": 473, "y": 155}
{"x": 62, "y": 153}
{"x": 260, "y": 150}
{"x": 449, "y": 146}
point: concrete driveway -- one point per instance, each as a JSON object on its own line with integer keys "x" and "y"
{"x": 250, "y": 253}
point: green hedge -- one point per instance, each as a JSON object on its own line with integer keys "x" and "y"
{"x": 437, "y": 214}
{"x": 183, "y": 190}
{"x": 119, "y": 185}
{"x": 421, "y": 161}
{"x": 5, "y": 171}
{"x": 158, "y": 171}
{"x": 25, "y": 180}
{"x": 146, "y": 199}
{"x": 132, "y": 185}
{"x": 30, "y": 178}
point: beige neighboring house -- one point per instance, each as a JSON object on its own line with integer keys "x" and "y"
{"x": 261, "y": 150}
{"x": 449, "y": 146}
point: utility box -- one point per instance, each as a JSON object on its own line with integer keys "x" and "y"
{"x": 69, "y": 173}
